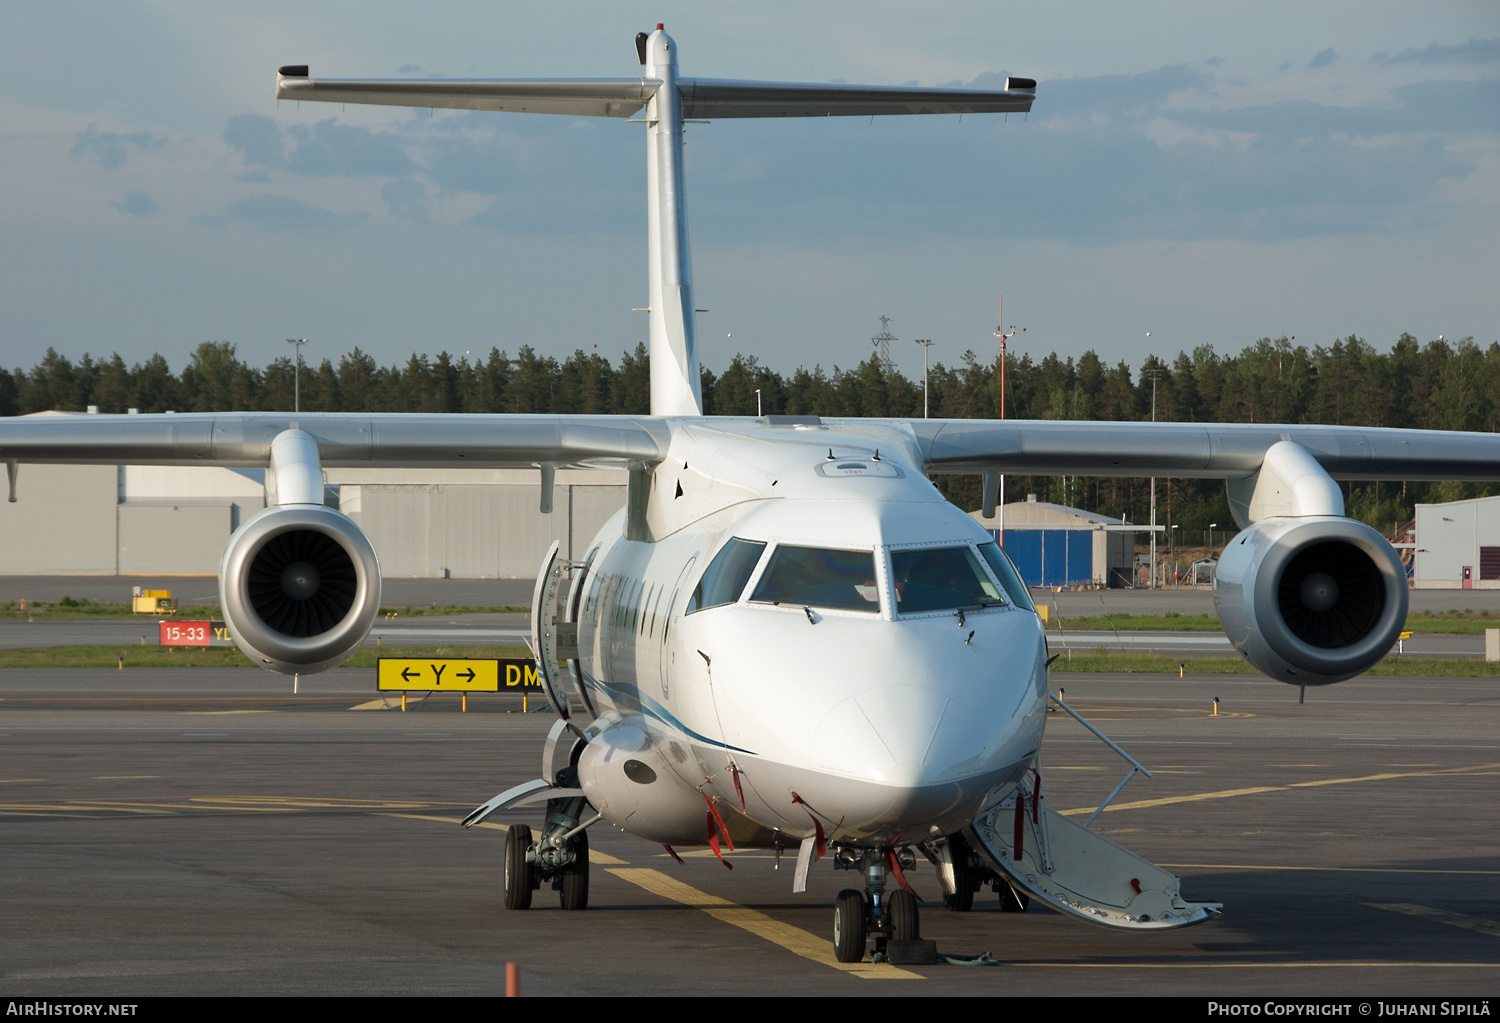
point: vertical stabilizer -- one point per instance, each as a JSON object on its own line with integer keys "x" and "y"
{"x": 667, "y": 98}
{"x": 675, "y": 389}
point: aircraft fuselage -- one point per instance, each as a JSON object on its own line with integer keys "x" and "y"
{"x": 802, "y": 636}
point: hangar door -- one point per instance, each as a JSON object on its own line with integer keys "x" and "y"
{"x": 1051, "y": 557}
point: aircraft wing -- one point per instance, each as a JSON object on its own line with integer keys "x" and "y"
{"x": 1207, "y": 450}
{"x": 579, "y": 97}
{"x": 715, "y": 97}
{"x": 344, "y": 439}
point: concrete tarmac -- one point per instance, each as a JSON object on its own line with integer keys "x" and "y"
{"x": 205, "y": 832}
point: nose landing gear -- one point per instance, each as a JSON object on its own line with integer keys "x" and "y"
{"x": 870, "y": 920}
{"x": 562, "y": 855}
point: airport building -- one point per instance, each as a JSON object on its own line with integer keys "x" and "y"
{"x": 134, "y": 520}
{"x": 1053, "y": 545}
{"x": 1457, "y": 545}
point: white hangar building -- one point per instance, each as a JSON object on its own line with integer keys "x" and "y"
{"x": 426, "y": 524}
{"x": 1458, "y": 545}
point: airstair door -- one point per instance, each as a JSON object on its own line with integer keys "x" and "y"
{"x": 554, "y": 641}
{"x": 1069, "y": 868}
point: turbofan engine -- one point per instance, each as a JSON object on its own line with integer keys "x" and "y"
{"x": 1311, "y": 600}
{"x": 300, "y": 588}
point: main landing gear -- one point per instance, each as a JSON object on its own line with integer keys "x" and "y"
{"x": 971, "y": 873}
{"x": 869, "y": 920}
{"x": 561, "y": 856}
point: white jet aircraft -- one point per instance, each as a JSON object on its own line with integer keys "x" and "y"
{"x": 788, "y": 638}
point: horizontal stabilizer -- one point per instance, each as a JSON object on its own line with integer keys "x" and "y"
{"x": 578, "y": 97}
{"x": 624, "y": 97}
{"x": 713, "y": 97}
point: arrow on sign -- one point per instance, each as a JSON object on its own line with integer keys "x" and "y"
{"x": 406, "y": 674}
{"x": 467, "y": 676}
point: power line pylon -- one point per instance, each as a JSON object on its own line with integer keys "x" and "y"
{"x": 882, "y": 343}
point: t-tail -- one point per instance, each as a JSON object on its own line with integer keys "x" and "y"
{"x": 668, "y": 101}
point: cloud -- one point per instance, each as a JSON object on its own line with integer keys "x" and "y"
{"x": 137, "y": 204}
{"x": 406, "y": 198}
{"x": 283, "y": 213}
{"x": 327, "y": 149}
{"x": 1431, "y": 106}
{"x": 1475, "y": 51}
{"x": 110, "y": 149}
{"x": 1323, "y": 58}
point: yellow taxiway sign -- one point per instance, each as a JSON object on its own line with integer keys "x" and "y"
{"x": 436, "y": 674}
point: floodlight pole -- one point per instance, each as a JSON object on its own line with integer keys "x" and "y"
{"x": 1004, "y": 336}
{"x": 297, "y": 343}
{"x": 1155, "y": 374}
{"x": 925, "y": 345}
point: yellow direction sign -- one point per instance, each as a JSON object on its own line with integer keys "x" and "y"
{"x": 432, "y": 674}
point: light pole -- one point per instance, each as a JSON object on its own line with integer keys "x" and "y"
{"x": 1000, "y": 332}
{"x": 1211, "y": 526}
{"x": 926, "y": 344}
{"x": 1155, "y": 373}
{"x": 1172, "y": 549}
{"x": 297, "y": 343}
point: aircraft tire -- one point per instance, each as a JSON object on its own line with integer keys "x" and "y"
{"x": 901, "y": 911}
{"x": 1012, "y": 901}
{"x": 850, "y": 919}
{"x": 964, "y": 881}
{"x": 517, "y": 871}
{"x": 573, "y": 887}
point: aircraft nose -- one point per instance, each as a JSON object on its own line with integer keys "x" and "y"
{"x": 902, "y": 736}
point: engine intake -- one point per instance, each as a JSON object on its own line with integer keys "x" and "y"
{"x": 300, "y": 588}
{"x": 1311, "y": 600}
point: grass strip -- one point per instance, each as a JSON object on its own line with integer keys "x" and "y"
{"x": 1145, "y": 663}
{"x": 1451, "y": 623}
{"x": 219, "y": 657}
{"x": 68, "y": 610}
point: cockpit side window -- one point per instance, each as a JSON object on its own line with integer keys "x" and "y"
{"x": 941, "y": 579}
{"x": 725, "y": 578}
{"x": 820, "y": 577}
{"x": 1006, "y": 572}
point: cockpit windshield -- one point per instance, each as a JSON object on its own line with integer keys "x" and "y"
{"x": 819, "y": 577}
{"x": 725, "y": 578}
{"x": 941, "y": 579}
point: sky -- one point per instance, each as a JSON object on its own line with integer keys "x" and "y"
{"x": 1191, "y": 173}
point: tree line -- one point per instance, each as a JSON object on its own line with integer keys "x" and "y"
{"x": 1437, "y": 385}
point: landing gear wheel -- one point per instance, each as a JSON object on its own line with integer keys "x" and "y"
{"x": 574, "y": 878}
{"x": 517, "y": 871}
{"x": 964, "y": 881}
{"x": 1012, "y": 901}
{"x": 849, "y": 922}
{"x": 901, "y": 911}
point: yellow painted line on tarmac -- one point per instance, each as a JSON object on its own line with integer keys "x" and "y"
{"x": 1330, "y": 870}
{"x": 221, "y": 713}
{"x": 1442, "y": 916}
{"x": 122, "y": 777}
{"x": 1258, "y": 789}
{"x": 17, "y": 781}
{"x": 1270, "y": 965}
{"x": 793, "y": 939}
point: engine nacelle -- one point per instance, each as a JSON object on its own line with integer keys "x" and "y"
{"x": 1311, "y": 600}
{"x": 300, "y": 588}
